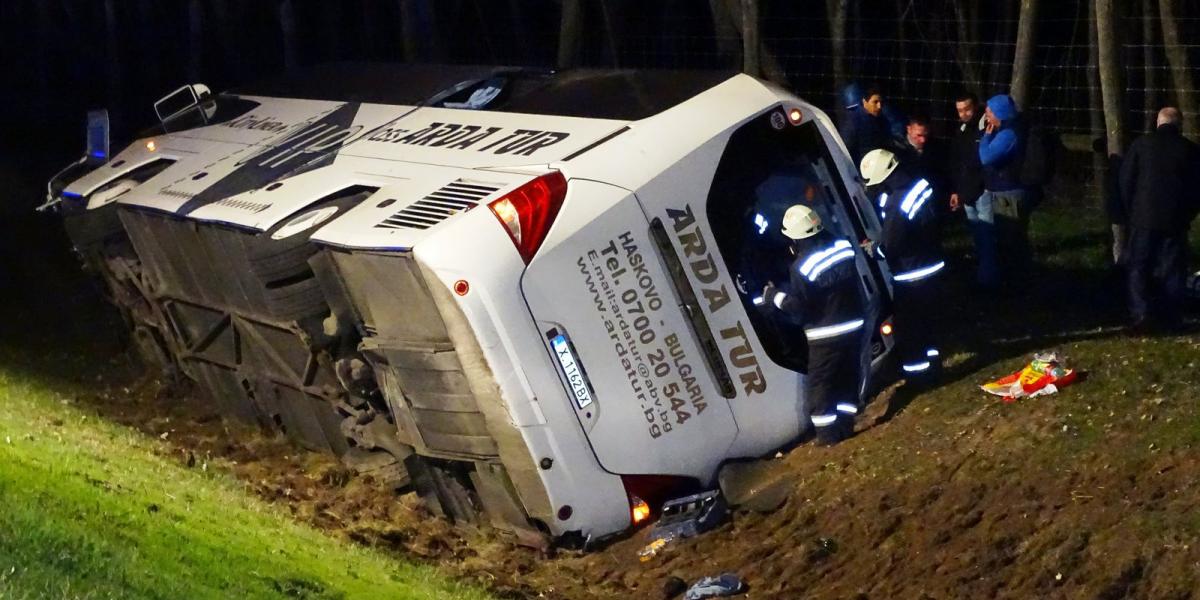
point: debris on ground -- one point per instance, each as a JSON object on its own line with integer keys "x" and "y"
{"x": 725, "y": 584}
{"x": 691, "y": 515}
{"x": 654, "y": 547}
{"x": 1044, "y": 375}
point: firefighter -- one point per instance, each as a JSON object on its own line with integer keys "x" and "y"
{"x": 822, "y": 294}
{"x": 912, "y": 248}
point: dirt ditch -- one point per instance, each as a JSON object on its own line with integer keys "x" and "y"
{"x": 988, "y": 501}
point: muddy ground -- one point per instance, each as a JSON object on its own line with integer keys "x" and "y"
{"x": 943, "y": 494}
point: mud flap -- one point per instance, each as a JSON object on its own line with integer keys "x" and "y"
{"x": 499, "y": 499}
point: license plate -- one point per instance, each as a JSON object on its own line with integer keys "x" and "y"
{"x": 570, "y": 366}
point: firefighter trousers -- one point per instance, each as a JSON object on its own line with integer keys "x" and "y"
{"x": 831, "y": 385}
{"x": 914, "y": 306}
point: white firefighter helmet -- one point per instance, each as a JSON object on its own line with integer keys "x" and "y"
{"x": 801, "y": 222}
{"x": 877, "y": 165}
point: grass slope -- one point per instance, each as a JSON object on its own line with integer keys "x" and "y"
{"x": 87, "y": 510}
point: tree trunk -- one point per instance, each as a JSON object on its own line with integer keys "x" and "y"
{"x": 1022, "y": 77}
{"x": 1095, "y": 98}
{"x": 408, "y": 31}
{"x": 901, "y": 57}
{"x": 486, "y": 33}
{"x": 1002, "y": 37}
{"x": 570, "y": 42}
{"x": 288, "y": 26}
{"x": 330, "y": 32}
{"x": 726, "y": 31}
{"x": 45, "y": 26}
{"x": 941, "y": 73}
{"x": 966, "y": 15}
{"x": 1108, "y": 48}
{"x": 226, "y": 14}
{"x": 195, "y": 39}
{"x": 1181, "y": 74}
{"x": 835, "y": 11}
{"x": 418, "y": 28}
{"x": 370, "y": 19}
{"x": 770, "y": 68}
{"x": 610, "y": 37}
{"x": 114, "y": 75}
{"x": 149, "y": 61}
{"x": 750, "y": 43}
{"x": 854, "y": 36}
{"x": 1150, "y": 78}
{"x": 516, "y": 18}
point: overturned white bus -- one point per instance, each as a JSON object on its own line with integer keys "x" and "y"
{"x": 523, "y": 292}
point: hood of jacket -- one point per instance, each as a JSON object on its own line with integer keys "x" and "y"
{"x": 1003, "y": 106}
{"x": 852, "y": 96}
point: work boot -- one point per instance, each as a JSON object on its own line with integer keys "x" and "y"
{"x": 847, "y": 411}
{"x": 846, "y": 424}
{"x": 832, "y": 434}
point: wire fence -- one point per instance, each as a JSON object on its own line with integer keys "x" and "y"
{"x": 921, "y": 62}
{"x": 76, "y": 54}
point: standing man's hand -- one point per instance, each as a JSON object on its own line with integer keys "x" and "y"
{"x": 991, "y": 126}
{"x": 868, "y": 247}
{"x": 954, "y": 202}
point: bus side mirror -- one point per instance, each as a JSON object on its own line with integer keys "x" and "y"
{"x": 98, "y": 137}
{"x": 181, "y": 102}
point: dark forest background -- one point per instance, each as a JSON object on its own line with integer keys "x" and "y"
{"x": 62, "y": 57}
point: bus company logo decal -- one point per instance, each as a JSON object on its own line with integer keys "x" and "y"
{"x": 704, "y": 268}
{"x": 457, "y": 136}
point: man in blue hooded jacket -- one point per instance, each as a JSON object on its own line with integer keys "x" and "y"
{"x": 1002, "y": 212}
{"x": 852, "y": 96}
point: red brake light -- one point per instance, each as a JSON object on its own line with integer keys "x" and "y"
{"x": 528, "y": 211}
{"x": 647, "y": 493}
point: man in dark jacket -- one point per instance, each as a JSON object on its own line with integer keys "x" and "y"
{"x": 865, "y": 128}
{"x": 966, "y": 187}
{"x": 1160, "y": 183}
{"x": 966, "y": 173}
{"x": 1000, "y": 152}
